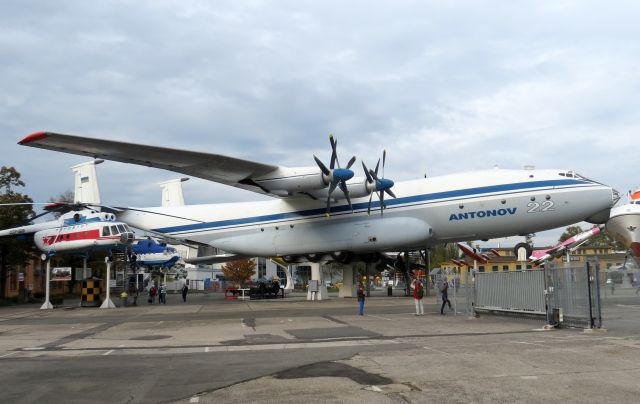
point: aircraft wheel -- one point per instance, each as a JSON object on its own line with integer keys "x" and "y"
{"x": 527, "y": 248}
{"x": 313, "y": 257}
{"x": 370, "y": 257}
{"x": 343, "y": 257}
{"x": 290, "y": 259}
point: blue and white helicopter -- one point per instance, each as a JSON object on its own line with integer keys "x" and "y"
{"x": 150, "y": 252}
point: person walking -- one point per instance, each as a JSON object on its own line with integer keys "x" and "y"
{"x": 153, "y": 291}
{"x": 444, "y": 291}
{"x": 361, "y": 298}
{"x": 418, "y": 294}
{"x": 163, "y": 294}
{"x": 185, "y": 290}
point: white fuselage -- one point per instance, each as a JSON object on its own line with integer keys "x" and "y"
{"x": 457, "y": 207}
{"x": 624, "y": 226}
{"x": 76, "y": 232}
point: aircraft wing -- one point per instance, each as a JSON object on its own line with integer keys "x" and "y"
{"x": 213, "y": 167}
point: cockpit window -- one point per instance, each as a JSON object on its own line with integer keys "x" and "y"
{"x": 105, "y": 231}
{"x": 121, "y": 228}
{"x": 114, "y": 230}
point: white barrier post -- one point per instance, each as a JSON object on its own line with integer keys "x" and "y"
{"x": 47, "y": 303}
{"x": 108, "y": 304}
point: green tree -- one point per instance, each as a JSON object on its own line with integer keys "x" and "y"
{"x": 570, "y": 232}
{"x": 442, "y": 253}
{"x": 240, "y": 271}
{"x": 12, "y": 252}
{"x": 66, "y": 197}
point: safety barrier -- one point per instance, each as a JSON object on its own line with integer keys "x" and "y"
{"x": 514, "y": 292}
{"x": 91, "y": 291}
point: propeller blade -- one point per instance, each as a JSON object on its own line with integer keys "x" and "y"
{"x": 384, "y": 157}
{"x": 373, "y": 174}
{"x": 350, "y": 163}
{"x": 377, "y": 165}
{"x": 390, "y": 192}
{"x": 334, "y": 153}
{"x": 345, "y": 191}
{"x": 366, "y": 172}
{"x": 369, "y": 208}
{"x": 323, "y": 168}
{"x": 382, "y": 207}
{"x": 332, "y": 188}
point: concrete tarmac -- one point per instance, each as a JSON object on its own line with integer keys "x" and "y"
{"x": 211, "y": 350}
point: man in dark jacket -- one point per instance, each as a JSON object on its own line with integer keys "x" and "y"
{"x": 185, "y": 290}
{"x": 361, "y": 298}
{"x": 445, "y": 295}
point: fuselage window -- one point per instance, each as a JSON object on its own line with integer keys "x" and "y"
{"x": 114, "y": 230}
{"x": 105, "y": 231}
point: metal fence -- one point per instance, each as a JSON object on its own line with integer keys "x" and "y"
{"x": 567, "y": 295}
{"x": 513, "y": 292}
{"x": 573, "y": 294}
{"x": 460, "y": 293}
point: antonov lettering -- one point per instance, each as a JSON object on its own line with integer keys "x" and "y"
{"x": 482, "y": 214}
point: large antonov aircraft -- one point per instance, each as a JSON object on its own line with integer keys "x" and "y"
{"x": 423, "y": 212}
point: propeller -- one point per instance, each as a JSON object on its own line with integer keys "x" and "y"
{"x": 378, "y": 185}
{"x": 336, "y": 176}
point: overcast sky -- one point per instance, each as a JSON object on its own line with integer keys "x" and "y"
{"x": 441, "y": 87}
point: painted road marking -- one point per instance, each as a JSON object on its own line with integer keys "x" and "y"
{"x": 107, "y": 353}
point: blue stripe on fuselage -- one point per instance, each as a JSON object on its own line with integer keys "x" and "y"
{"x": 520, "y": 186}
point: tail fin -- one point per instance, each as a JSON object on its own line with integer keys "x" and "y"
{"x": 172, "y": 192}
{"x": 86, "y": 182}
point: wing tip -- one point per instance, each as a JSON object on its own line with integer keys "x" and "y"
{"x": 33, "y": 137}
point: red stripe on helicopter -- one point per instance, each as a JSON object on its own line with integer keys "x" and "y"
{"x": 80, "y": 235}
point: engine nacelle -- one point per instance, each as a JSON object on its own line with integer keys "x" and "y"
{"x": 358, "y": 188}
{"x": 292, "y": 180}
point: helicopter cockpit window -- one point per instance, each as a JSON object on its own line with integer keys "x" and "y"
{"x": 114, "y": 230}
{"x": 121, "y": 228}
{"x": 105, "y": 231}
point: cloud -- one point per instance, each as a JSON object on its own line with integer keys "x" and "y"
{"x": 442, "y": 87}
